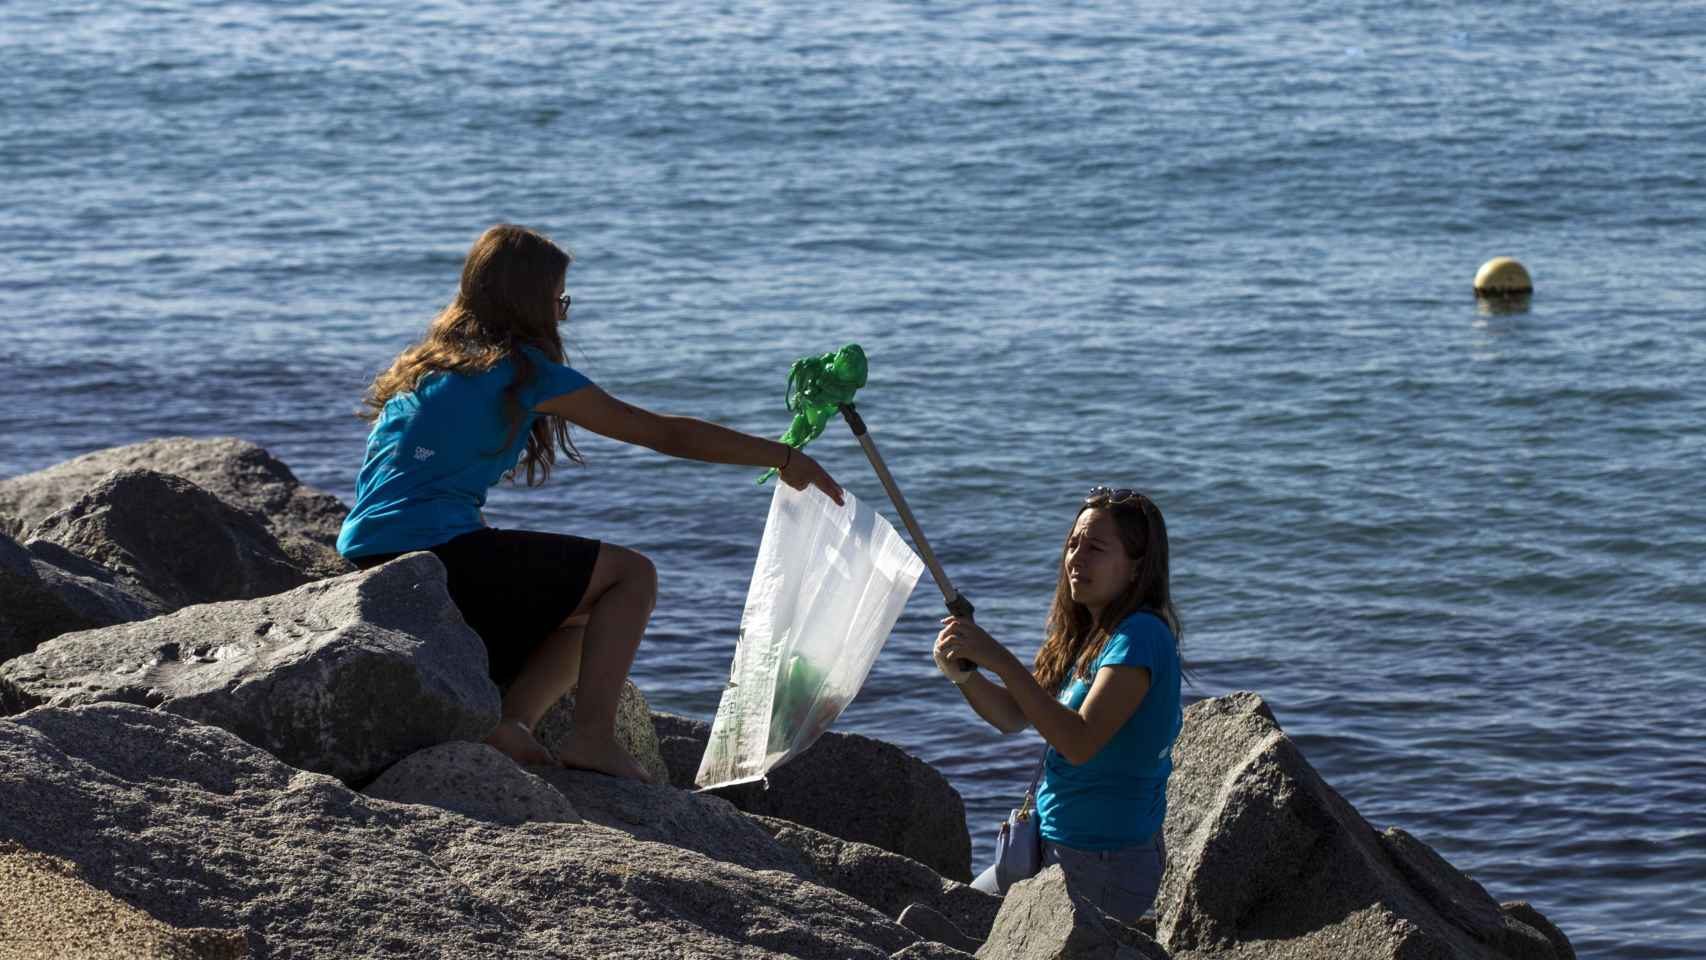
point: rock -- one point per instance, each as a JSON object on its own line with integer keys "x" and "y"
{"x": 13, "y": 700}
{"x": 1044, "y": 918}
{"x": 634, "y": 729}
{"x": 681, "y": 745}
{"x": 1519, "y": 941}
{"x": 930, "y": 950}
{"x": 1523, "y": 912}
{"x": 1265, "y": 859}
{"x": 886, "y": 881}
{"x": 344, "y": 676}
{"x": 476, "y": 781}
{"x": 662, "y": 814}
{"x": 87, "y": 587}
{"x": 200, "y": 829}
{"x": 171, "y": 541}
{"x": 850, "y": 786}
{"x": 40, "y": 600}
{"x": 305, "y": 521}
{"x": 1454, "y": 896}
{"x": 49, "y": 912}
{"x": 936, "y": 928}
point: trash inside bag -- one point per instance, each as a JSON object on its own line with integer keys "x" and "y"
{"x": 827, "y": 588}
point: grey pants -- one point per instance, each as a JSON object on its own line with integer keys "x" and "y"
{"x": 1122, "y": 883}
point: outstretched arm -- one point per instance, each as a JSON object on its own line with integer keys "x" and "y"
{"x": 1115, "y": 693}
{"x": 686, "y": 437}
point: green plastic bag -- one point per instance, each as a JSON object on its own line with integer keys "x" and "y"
{"x": 817, "y": 387}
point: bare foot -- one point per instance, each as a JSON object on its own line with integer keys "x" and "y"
{"x": 514, "y": 741}
{"x": 603, "y": 755}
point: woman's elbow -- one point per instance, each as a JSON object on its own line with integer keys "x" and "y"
{"x": 1079, "y": 754}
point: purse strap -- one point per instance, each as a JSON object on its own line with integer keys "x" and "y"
{"x": 1031, "y": 791}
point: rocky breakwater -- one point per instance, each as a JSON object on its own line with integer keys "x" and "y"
{"x": 136, "y": 531}
{"x": 294, "y": 773}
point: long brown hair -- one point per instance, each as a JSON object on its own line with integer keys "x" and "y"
{"x": 504, "y": 302}
{"x": 1071, "y": 640}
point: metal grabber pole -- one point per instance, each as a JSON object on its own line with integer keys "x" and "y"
{"x": 957, "y": 604}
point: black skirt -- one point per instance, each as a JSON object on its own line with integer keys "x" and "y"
{"x": 514, "y": 587}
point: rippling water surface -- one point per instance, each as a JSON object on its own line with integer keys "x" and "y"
{"x": 1218, "y": 250}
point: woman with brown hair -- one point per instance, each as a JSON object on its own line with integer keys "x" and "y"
{"x": 1104, "y": 694}
{"x": 486, "y": 391}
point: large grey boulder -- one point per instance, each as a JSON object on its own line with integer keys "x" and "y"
{"x": 634, "y": 730}
{"x": 692, "y": 821}
{"x": 304, "y": 520}
{"x": 200, "y": 829}
{"x": 40, "y": 600}
{"x": 1045, "y": 918}
{"x": 476, "y": 781}
{"x": 343, "y": 676}
{"x": 170, "y": 541}
{"x": 847, "y": 785}
{"x": 1265, "y": 859}
{"x": 886, "y": 881}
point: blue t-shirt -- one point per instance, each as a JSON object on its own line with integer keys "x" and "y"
{"x": 1119, "y": 796}
{"x": 435, "y": 450}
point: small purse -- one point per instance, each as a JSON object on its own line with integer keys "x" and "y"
{"x": 1019, "y": 845}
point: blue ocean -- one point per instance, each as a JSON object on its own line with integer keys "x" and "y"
{"x": 1218, "y": 251}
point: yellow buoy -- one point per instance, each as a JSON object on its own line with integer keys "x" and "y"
{"x": 1503, "y": 277}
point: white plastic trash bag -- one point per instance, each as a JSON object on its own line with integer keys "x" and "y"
{"x": 828, "y": 586}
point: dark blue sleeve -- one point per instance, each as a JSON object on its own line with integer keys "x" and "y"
{"x": 1141, "y": 640}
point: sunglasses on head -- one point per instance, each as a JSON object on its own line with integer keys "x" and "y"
{"x": 1112, "y": 496}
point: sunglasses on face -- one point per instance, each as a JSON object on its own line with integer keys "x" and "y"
{"x": 563, "y": 301}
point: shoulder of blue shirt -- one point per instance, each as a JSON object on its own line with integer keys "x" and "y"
{"x": 552, "y": 378}
{"x": 1142, "y": 639}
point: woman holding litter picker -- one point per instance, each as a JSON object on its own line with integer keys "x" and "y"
{"x": 1104, "y": 694}
{"x": 484, "y": 392}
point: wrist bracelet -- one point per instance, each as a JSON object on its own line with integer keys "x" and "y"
{"x": 786, "y": 460}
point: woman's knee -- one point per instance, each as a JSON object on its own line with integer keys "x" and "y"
{"x": 1123, "y": 884}
{"x": 633, "y": 569}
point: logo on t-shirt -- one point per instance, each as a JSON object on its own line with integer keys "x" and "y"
{"x": 422, "y": 453}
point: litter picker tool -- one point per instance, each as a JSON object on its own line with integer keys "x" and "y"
{"x": 958, "y": 605}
